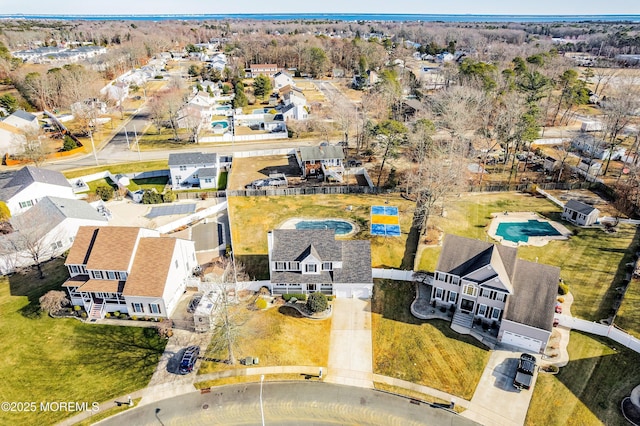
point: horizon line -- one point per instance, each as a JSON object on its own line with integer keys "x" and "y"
{"x": 318, "y": 13}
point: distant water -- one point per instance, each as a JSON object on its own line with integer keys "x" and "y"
{"x": 339, "y": 17}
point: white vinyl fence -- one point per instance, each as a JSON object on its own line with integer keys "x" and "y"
{"x": 192, "y": 218}
{"x": 609, "y": 331}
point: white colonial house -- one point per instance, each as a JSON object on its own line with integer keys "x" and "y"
{"x": 22, "y": 189}
{"x": 486, "y": 284}
{"x": 580, "y": 214}
{"x": 128, "y": 270}
{"x": 196, "y": 169}
{"x": 309, "y": 261}
{"x": 46, "y": 230}
{"x": 282, "y": 79}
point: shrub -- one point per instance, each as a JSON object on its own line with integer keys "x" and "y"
{"x": 116, "y": 314}
{"x": 83, "y": 314}
{"x": 123, "y": 316}
{"x": 563, "y": 289}
{"x": 135, "y": 318}
{"x": 330, "y": 298}
{"x": 68, "y": 144}
{"x": 561, "y": 299}
{"x": 261, "y": 303}
{"x": 76, "y": 308}
{"x": 151, "y": 197}
{"x": 104, "y": 192}
{"x": 317, "y": 302}
{"x": 107, "y": 315}
{"x": 298, "y": 296}
{"x": 169, "y": 196}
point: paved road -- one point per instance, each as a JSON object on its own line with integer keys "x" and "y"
{"x": 315, "y": 403}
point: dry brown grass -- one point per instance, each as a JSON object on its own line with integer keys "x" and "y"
{"x": 277, "y": 336}
{"x": 245, "y": 170}
{"x": 249, "y": 379}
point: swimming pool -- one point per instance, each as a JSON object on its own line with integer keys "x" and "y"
{"x": 219, "y": 124}
{"x": 342, "y": 227}
{"x": 521, "y": 231}
{"x": 223, "y": 107}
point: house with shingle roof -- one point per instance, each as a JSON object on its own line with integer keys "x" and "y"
{"x": 325, "y": 161}
{"x": 282, "y": 79}
{"x": 309, "y": 261}
{"x": 487, "y": 284}
{"x": 22, "y": 189}
{"x": 579, "y": 213}
{"x": 129, "y": 270}
{"x": 195, "y": 170}
{"x": 13, "y": 129}
{"x": 46, "y": 230}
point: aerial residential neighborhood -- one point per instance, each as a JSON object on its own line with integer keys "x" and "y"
{"x": 375, "y": 219}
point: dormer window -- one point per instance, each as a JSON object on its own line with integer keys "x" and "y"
{"x": 281, "y": 266}
{"x": 311, "y": 268}
{"x": 327, "y": 266}
{"x": 96, "y": 274}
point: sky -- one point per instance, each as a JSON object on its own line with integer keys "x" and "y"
{"x": 489, "y": 7}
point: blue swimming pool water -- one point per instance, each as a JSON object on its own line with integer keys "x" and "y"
{"x": 223, "y": 107}
{"x": 223, "y": 124}
{"x": 521, "y": 231}
{"x": 340, "y": 226}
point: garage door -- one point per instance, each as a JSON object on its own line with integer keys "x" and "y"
{"x": 360, "y": 293}
{"x": 524, "y": 342}
{"x": 343, "y": 292}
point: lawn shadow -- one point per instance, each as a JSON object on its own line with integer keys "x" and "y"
{"x": 290, "y": 312}
{"x": 28, "y": 283}
{"x": 108, "y": 348}
{"x": 410, "y": 249}
{"x": 255, "y": 265}
{"x": 292, "y": 169}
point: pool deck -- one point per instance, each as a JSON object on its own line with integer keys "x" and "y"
{"x": 503, "y": 217}
{"x": 291, "y": 223}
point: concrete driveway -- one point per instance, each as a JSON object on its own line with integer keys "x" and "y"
{"x": 350, "y": 347}
{"x": 495, "y": 400}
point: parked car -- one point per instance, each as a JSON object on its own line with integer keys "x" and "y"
{"x": 189, "y": 359}
{"x": 524, "y": 373}
{"x": 558, "y": 308}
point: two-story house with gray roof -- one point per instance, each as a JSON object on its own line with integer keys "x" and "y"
{"x": 487, "y": 283}
{"x": 579, "y": 213}
{"x": 46, "y": 230}
{"x": 22, "y": 189}
{"x": 309, "y": 261}
{"x": 196, "y": 169}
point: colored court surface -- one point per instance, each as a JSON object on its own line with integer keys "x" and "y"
{"x": 385, "y": 221}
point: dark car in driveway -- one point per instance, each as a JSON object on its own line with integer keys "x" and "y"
{"x": 188, "y": 360}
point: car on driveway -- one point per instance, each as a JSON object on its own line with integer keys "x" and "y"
{"x": 558, "y": 308}
{"x": 188, "y": 360}
{"x": 525, "y": 371}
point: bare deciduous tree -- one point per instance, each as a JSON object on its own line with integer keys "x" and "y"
{"x": 53, "y": 301}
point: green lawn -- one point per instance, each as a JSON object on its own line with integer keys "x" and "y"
{"x": 255, "y": 216}
{"x": 49, "y": 360}
{"x": 588, "y": 391}
{"x": 119, "y": 168}
{"x": 628, "y": 316}
{"x": 424, "y": 352}
{"x": 157, "y": 183}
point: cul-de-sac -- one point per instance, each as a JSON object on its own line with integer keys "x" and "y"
{"x": 319, "y": 219}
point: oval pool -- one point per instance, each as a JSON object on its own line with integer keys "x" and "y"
{"x": 342, "y": 227}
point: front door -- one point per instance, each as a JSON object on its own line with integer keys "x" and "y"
{"x": 467, "y": 305}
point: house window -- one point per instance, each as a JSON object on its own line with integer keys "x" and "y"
{"x": 154, "y": 308}
{"x": 440, "y": 276}
{"x": 438, "y": 294}
{"x": 482, "y": 310}
{"x": 56, "y": 245}
{"x": 452, "y": 296}
{"x": 311, "y": 267}
{"x": 456, "y": 280}
{"x": 207, "y": 180}
{"x": 495, "y": 313}
{"x": 123, "y": 276}
{"x": 74, "y": 269}
{"x": 176, "y": 263}
{"x": 281, "y": 266}
{"x": 183, "y": 168}
{"x": 294, "y": 266}
{"x": 25, "y": 204}
{"x": 500, "y": 297}
{"x": 137, "y": 307}
{"x": 470, "y": 290}
{"x": 485, "y": 292}
{"x": 111, "y": 275}
{"x": 195, "y": 176}
{"x": 311, "y": 288}
{"x": 97, "y": 274}
{"x": 327, "y": 266}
